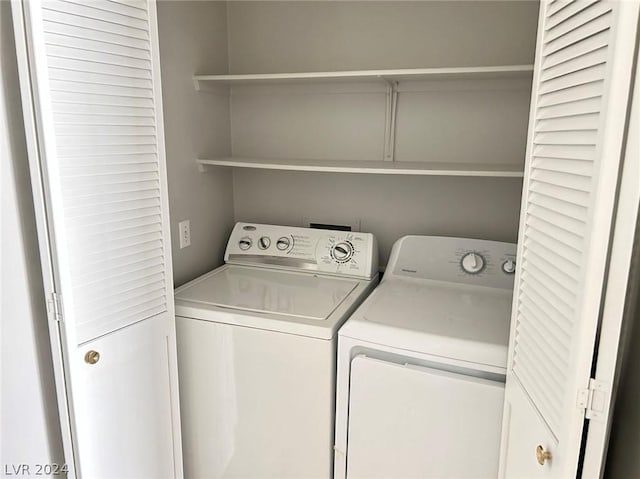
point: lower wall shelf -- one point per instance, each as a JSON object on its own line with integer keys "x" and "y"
{"x": 371, "y": 167}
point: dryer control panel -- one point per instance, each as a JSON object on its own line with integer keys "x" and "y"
{"x": 454, "y": 260}
{"x": 343, "y": 253}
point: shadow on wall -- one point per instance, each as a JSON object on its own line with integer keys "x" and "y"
{"x": 29, "y": 406}
{"x": 623, "y": 460}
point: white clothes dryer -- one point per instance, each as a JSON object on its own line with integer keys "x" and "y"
{"x": 257, "y": 346}
{"x": 422, "y": 364}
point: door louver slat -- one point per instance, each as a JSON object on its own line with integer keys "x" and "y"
{"x": 82, "y": 36}
{"x": 541, "y": 325}
{"x": 131, "y": 272}
{"x": 82, "y": 47}
{"x": 130, "y": 8}
{"x": 144, "y": 307}
{"x": 94, "y": 110}
{"x": 67, "y": 119}
{"x": 71, "y": 19}
{"x": 556, "y": 5}
{"x": 574, "y": 167}
{"x": 539, "y": 395}
{"x": 579, "y": 107}
{"x": 551, "y": 372}
{"x": 578, "y": 77}
{"x": 120, "y": 266}
{"x": 579, "y": 92}
{"x": 97, "y": 210}
{"x": 94, "y": 11}
{"x": 152, "y": 276}
{"x": 563, "y": 180}
{"x": 583, "y": 12}
{"x": 595, "y": 43}
{"x": 552, "y": 231}
{"x": 594, "y": 27}
{"x": 123, "y": 235}
{"x": 560, "y": 327}
{"x": 544, "y": 291}
{"x": 552, "y": 242}
{"x": 106, "y": 61}
{"x": 102, "y": 79}
{"x": 551, "y": 282}
{"x": 150, "y": 286}
{"x": 561, "y": 221}
{"x": 574, "y": 212}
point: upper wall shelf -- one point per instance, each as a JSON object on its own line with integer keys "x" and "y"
{"x": 493, "y": 170}
{"x": 446, "y": 73}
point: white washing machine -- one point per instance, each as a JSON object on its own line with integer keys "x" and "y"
{"x": 422, "y": 364}
{"x": 257, "y": 347}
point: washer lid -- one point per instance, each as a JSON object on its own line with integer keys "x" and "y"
{"x": 459, "y": 322}
{"x": 262, "y": 290}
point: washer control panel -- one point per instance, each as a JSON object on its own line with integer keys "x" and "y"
{"x": 455, "y": 260}
{"x": 344, "y": 253}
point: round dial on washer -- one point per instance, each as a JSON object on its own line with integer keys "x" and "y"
{"x": 264, "y": 242}
{"x": 283, "y": 243}
{"x": 472, "y": 263}
{"x": 509, "y": 266}
{"x": 342, "y": 251}
{"x": 245, "y": 243}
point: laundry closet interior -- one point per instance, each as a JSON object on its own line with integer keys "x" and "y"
{"x": 394, "y": 227}
{"x": 471, "y": 121}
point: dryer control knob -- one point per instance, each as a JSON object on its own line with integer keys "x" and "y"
{"x": 264, "y": 242}
{"x": 509, "y": 266}
{"x": 245, "y": 243}
{"x": 283, "y": 243}
{"x": 342, "y": 252}
{"x": 472, "y": 263}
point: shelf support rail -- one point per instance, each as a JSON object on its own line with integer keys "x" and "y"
{"x": 390, "y": 119}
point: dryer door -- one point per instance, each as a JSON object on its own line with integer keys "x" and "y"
{"x": 411, "y": 421}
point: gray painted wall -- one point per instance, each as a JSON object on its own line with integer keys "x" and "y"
{"x": 267, "y": 36}
{"x": 29, "y": 426}
{"x": 193, "y": 38}
{"x": 388, "y": 206}
{"x": 458, "y": 121}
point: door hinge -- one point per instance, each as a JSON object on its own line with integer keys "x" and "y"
{"x": 594, "y": 400}
{"x": 54, "y": 306}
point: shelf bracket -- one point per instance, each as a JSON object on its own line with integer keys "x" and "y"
{"x": 390, "y": 119}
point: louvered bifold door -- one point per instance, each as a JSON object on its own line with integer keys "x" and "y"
{"x": 577, "y": 124}
{"x": 90, "y": 78}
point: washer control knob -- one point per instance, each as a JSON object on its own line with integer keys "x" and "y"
{"x": 509, "y": 266}
{"x": 283, "y": 243}
{"x": 264, "y": 242}
{"x": 342, "y": 252}
{"x": 472, "y": 263}
{"x": 245, "y": 243}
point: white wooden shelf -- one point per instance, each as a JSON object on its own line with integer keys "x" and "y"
{"x": 371, "y": 167}
{"x": 505, "y": 71}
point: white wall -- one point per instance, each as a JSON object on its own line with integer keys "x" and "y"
{"x": 30, "y": 431}
{"x": 193, "y": 39}
{"x": 460, "y": 121}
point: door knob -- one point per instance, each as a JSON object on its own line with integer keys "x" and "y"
{"x": 542, "y": 456}
{"x": 92, "y": 357}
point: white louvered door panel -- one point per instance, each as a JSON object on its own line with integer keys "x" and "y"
{"x": 90, "y": 82}
{"x": 100, "y": 77}
{"x": 580, "y": 98}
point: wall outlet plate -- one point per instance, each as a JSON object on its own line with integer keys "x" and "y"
{"x": 184, "y": 230}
